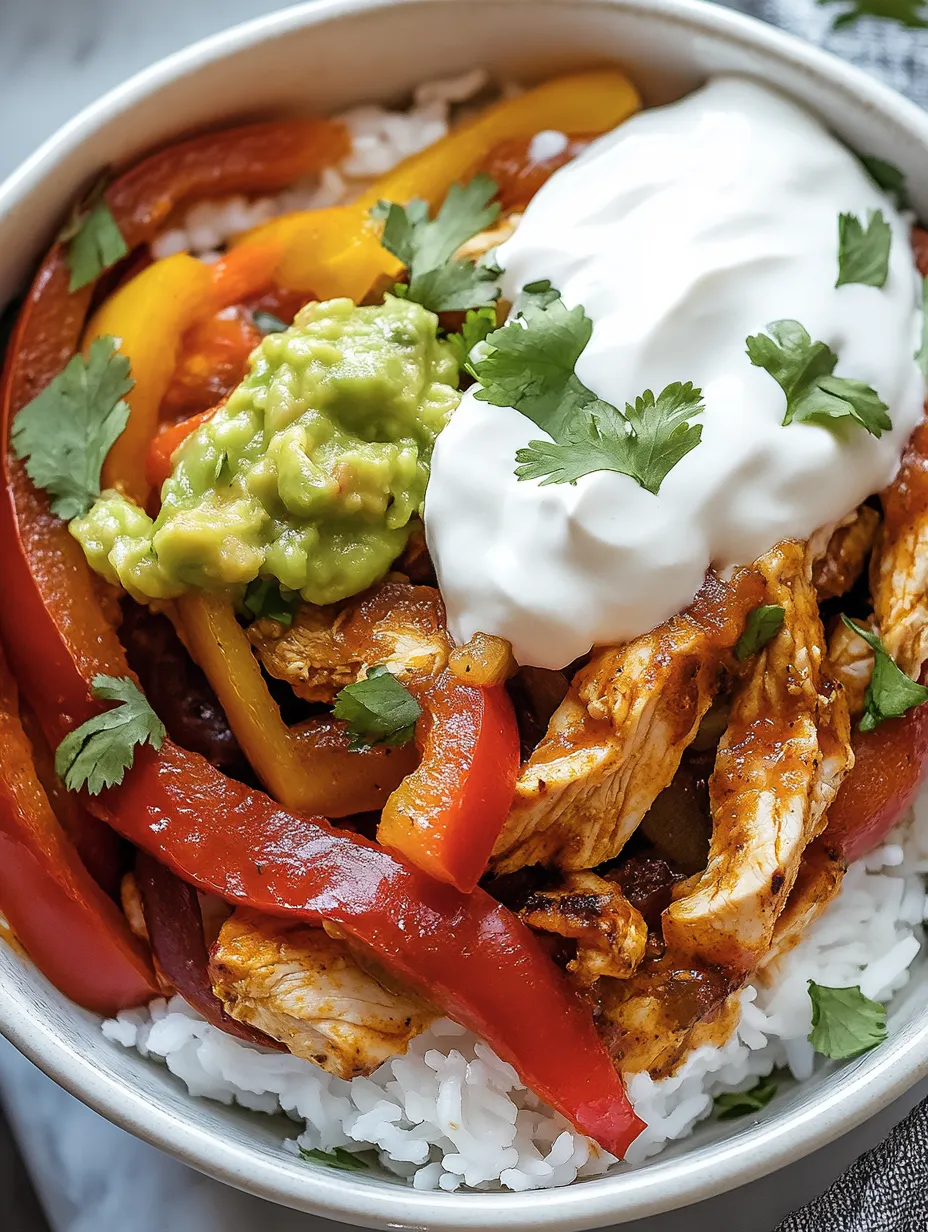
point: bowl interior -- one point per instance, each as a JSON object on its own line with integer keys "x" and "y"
{"x": 322, "y": 57}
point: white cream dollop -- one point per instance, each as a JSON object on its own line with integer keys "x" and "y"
{"x": 681, "y": 232}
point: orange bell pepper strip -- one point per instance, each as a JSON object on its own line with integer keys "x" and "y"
{"x": 337, "y": 251}
{"x": 170, "y": 437}
{"x": 446, "y": 816}
{"x": 244, "y": 273}
{"x": 73, "y": 932}
{"x": 149, "y": 316}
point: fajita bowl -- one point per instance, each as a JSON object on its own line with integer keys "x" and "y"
{"x": 318, "y": 58}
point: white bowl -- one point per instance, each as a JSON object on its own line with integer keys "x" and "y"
{"x": 320, "y": 57}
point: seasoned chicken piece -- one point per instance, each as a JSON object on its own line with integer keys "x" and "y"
{"x": 326, "y": 648}
{"x": 819, "y": 880}
{"x": 850, "y": 664}
{"x": 779, "y": 766}
{"x": 899, "y": 568}
{"x": 305, "y": 989}
{"x": 610, "y": 933}
{"x": 616, "y": 740}
{"x": 841, "y": 564}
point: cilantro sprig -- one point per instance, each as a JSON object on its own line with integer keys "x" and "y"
{"x": 760, "y": 628}
{"x": 64, "y": 434}
{"x": 863, "y": 252}
{"x": 890, "y": 692}
{"x": 888, "y": 177}
{"x": 377, "y": 710}
{"x": 530, "y": 364}
{"x": 478, "y": 323}
{"x": 264, "y": 597}
{"x": 731, "y": 1104}
{"x": 845, "y": 1023}
{"x": 338, "y": 1158}
{"x": 427, "y": 247}
{"x": 99, "y": 752}
{"x": 908, "y": 13}
{"x": 803, "y": 369}
{"x": 921, "y": 355}
{"x": 93, "y": 238}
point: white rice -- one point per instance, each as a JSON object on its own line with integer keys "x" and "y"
{"x": 451, "y": 1114}
{"x": 379, "y": 140}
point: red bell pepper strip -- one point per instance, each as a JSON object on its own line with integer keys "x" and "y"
{"x": 175, "y": 928}
{"x": 73, "y": 932}
{"x": 468, "y": 954}
{"x": 446, "y": 815}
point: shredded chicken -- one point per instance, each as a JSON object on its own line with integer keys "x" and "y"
{"x": 326, "y": 648}
{"x": 610, "y": 933}
{"x": 305, "y": 989}
{"x": 850, "y": 663}
{"x": 818, "y": 881}
{"x": 778, "y": 768}
{"x": 841, "y": 564}
{"x": 899, "y": 569}
{"x": 616, "y": 740}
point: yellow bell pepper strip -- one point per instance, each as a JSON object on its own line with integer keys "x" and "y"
{"x": 337, "y": 251}
{"x": 306, "y": 769}
{"x": 149, "y": 316}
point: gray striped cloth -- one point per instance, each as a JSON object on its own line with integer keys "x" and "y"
{"x": 886, "y": 1190}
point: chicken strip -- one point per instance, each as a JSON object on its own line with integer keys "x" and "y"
{"x": 616, "y": 740}
{"x": 850, "y": 664}
{"x": 778, "y": 768}
{"x": 818, "y": 881}
{"x": 610, "y": 933}
{"x": 326, "y": 648}
{"x": 304, "y": 988}
{"x": 899, "y": 568}
{"x": 842, "y": 562}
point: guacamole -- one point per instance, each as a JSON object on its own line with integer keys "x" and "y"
{"x": 309, "y": 474}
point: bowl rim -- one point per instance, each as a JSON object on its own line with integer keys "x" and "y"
{"x": 852, "y": 1095}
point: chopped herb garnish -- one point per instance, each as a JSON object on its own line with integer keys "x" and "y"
{"x": 863, "y": 253}
{"x": 338, "y": 1157}
{"x": 378, "y": 710}
{"x": 845, "y": 1023}
{"x": 264, "y": 597}
{"x": 890, "y": 692}
{"x": 645, "y": 442}
{"x": 268, "y": 323}
{"x": 803, "y": 370}
{"x": 93, "y": 238}
{"x": 64, "y": 434}
{"x": 530, "y": 363}
{"x": 908, "y": 13}
{"x": 731, "y": 1104}
{"x": 427, "y": 247}
{"x": 98, "y": 753}
{"x": 477, "y": 324}
{"x": 761, "y": 627}
{"x": 887, "y": 177}
{"x": 921, "y": 355}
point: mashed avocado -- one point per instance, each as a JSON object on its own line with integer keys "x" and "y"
{"x": 311, "y": 472}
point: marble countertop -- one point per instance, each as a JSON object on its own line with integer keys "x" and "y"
{"x": 56, "y": 56}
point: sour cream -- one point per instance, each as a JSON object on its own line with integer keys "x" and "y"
{"x": 683, "y": 231}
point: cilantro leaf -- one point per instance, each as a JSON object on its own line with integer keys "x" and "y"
{"x": 803, "y": 370}
{"x": 731, "y": 1104}
{"x": 644, "y": 443}
{"x": 64, "y": 434}
{"x": 921, "y": 355}
{"x": 378, "y": 710}
{"x": 338, "y": 1157}
{"x": 845, "y": 1023}
{"x": 264, "y": 597}
{"x": 93, "y": 238}
{"x": 427, "y": 246}
{"x": 761, "y": 627}
{"x": 98, "y": 753}
{"x": 268, "y": 323}
{"x": 477, "y": 324}
{"x": 863, "y": 253}
{"x": 890, "y": 692}
{"x": 908, "y": 13}
{"x": 530, "y": 361}
{"x": 887, "y": 177}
